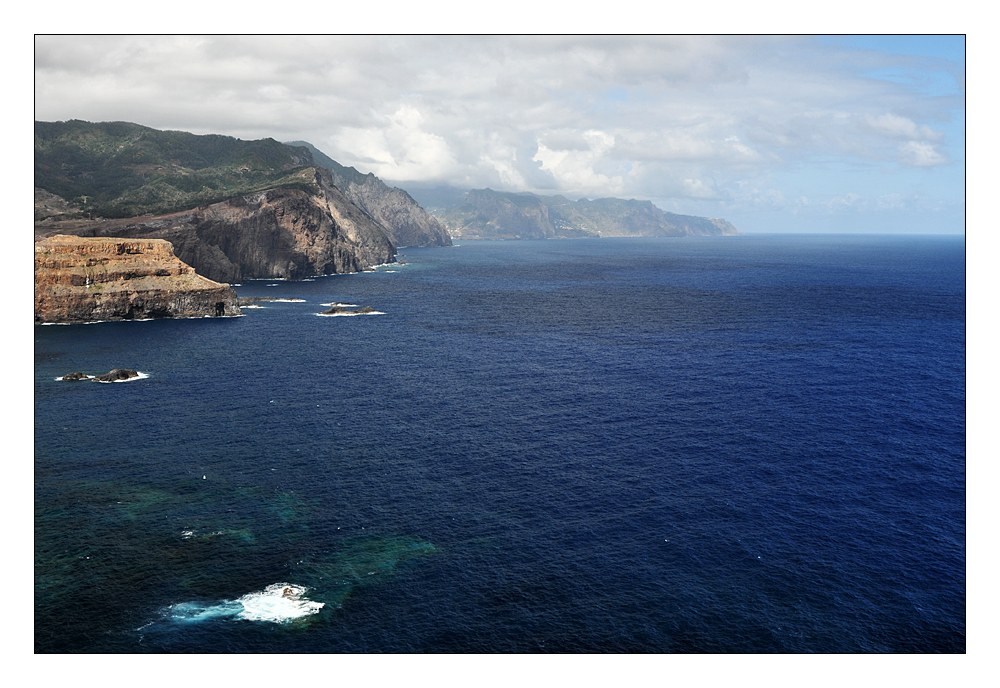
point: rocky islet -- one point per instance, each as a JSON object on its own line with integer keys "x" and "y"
{"x": 115, "y": 375}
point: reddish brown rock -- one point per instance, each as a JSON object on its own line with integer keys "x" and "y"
{"x": 87, "y": 279}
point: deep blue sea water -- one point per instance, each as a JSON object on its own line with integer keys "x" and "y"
{"x": 734, "y": 444}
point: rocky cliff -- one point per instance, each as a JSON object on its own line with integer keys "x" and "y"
{"x": 279, "y": 233}
{"x": 406, "y": 222}
{"x": 232, "y": 209}
{"x": 489, "y": 214}
{"x": 89, "y": 279}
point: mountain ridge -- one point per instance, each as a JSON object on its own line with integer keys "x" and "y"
{"x": 489, "y": 214}
{"x": 408, "y": 223}
{"x": 232, "y": 209}
{"x": 122, "y": 169}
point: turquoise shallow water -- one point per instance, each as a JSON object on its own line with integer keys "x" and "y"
{"x": 740, "y": 444}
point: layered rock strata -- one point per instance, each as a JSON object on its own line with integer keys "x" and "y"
{"x": 81, "y": 279}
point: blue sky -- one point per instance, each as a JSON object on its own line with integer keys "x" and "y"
{"x": 774, "y": 133}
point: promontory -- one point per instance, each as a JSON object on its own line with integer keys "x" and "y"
{"x": 88, "y": 279}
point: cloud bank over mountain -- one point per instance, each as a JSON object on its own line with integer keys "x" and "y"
{"x": 767, "y": 131}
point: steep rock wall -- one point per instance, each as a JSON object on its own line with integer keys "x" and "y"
{"x": 407, "y": 222}
{"x": 80, "y": 279}
{"x": 277, "y": 233}
{"x": 402, "y": 217}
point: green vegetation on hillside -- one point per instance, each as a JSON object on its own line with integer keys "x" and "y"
{"x": 321, "y": 158}
{"x": 119, "y": 169}
{"x": 489, "y": 214}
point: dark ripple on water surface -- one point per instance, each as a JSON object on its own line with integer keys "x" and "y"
{"x": 745, "y": 445}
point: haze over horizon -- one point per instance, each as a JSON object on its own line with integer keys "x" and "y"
{"x": 786, "y": 134}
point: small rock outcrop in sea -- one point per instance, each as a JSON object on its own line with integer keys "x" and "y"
{"x": 80, "y": 279}
{"x": 116, "y": 375}
{"x": 340, "y": 310}
{"x": 75, "y": 376}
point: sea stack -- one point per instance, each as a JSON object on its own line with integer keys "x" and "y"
{"x": 87, "y": 279}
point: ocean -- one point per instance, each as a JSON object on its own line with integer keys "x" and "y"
{"x": 750, "y": 444}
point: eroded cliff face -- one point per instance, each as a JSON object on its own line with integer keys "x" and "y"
{"x": 399, "y": 214}
{"x": 488, "y": 214}
{"x": 277, "y": 233}
{"x": 406, "y": 221}
{"x": 84, "y": 279}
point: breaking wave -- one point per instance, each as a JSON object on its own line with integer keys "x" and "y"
{"x": 278, "y": 603}
{"x": 339, "y": 315}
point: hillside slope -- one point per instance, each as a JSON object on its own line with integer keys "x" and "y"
{"x": 407, "y": 222}
{"x": 120, "y": 169}
{"x": 489, "y": 214}
{"x": 232, "y": 209}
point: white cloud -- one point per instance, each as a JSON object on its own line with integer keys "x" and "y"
{"x": 573, "y": 172}
{"x": 696, "y": 188}
{"x": 921, "y": 154}
{"x": 398, "y": 148}
{"x": 502, "y": 159}
{"x": 901, "y": 127}
{"x": 644, "y": 117}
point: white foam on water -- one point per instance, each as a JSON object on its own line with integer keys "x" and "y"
{"x": 63, "y": 379}
{"x": 191, "y": 612}
{"x": 339, "y": 315}
{"x": 342, "y": 305}
{"x": 251, "y": 306}
{"x": 288, "y": 301}
{"x": 278, "y": 603}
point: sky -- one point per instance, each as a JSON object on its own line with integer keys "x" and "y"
{"x": 773, "y": 133}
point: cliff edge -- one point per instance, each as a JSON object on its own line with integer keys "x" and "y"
{"x": 87, "y": 279}
{"x": 278, "y": 233}
{"x": 406, "y": 222}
